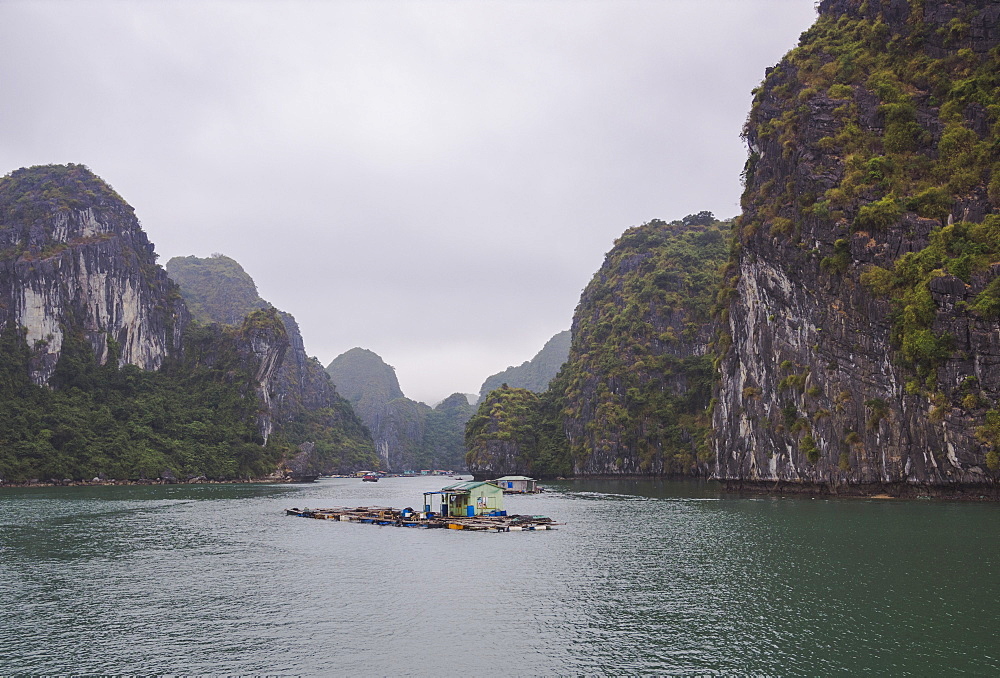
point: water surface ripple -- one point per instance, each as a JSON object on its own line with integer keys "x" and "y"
{"x": 646, "y": 577}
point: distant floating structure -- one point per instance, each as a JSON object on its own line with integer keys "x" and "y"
{"x": 517, "y": 485}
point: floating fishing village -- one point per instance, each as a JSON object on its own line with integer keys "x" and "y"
{"x": 468, "y": 505}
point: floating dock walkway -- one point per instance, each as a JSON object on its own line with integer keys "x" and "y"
{"x": 376, "y": 515}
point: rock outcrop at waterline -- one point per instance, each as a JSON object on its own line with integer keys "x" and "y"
{"x": 862, "y": 302}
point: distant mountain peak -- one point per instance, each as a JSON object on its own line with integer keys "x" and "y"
{"x": 360, "y": 372}
{"x": 216, "y": 289}
{"x": 408, "y": 435}
{"x": 534, "y": 374}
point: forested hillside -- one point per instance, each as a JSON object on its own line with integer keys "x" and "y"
{"x": 103, "y": 373}
{"x": 195, "y": 417}
{"x": 633, "y": 396}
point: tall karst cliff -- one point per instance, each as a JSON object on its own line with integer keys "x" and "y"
{"x": 633, "y": 396}
{"x": 862, "y": 301}
{"x": 639, "y": 377}
{"x": 534, "y": 374}
{"x": 102, "y": 371}
{"x": 73, "y": 258}
{"x": 409, "y": 435}
{"x": 301, "y": 403}
{"x": 518, "y": 432}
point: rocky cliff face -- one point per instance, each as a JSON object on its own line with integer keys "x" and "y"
{"x": 265, "y": 343}
{"x": 74, "y": 258}
{"x": 301, "y": 381}
{"x": 299, "y": 400}
{"x": 503, "y": 436}
{"x": 408, "y": 435}
{"x": 633, "y": 396}
{"x": 534, "y": 374}
{"x": 638, "y": 380}
{"x": 860, "y": 303}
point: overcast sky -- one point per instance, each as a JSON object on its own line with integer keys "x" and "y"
{"x": 435, "y": 181}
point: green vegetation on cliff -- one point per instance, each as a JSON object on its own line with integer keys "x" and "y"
{"x": 633, "y": 396}
{"x": 868, "y": 252}
{"x": 195, "y": 417}
{"x": 639, "y": 379}
{"x": 962, "y": 250}
{"x": 31, "y": 194}
{"x": 903, "y": 159}
{"x": 930, "y": 150}
{"x": 516, "y": 431}
{"x": 341, "y": 443}
{"x": 216, "y": 289}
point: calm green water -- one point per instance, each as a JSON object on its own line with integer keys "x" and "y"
{"x": 645, "y": 578}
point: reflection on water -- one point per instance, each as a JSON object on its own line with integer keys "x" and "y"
{"x": 645, "y": 577}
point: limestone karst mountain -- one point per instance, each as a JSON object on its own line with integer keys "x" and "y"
{"x": 105, "y": 374}
{"x": 301, "y": 400}
{"x": 409, "y": 435}
{"x": 534, "y": 374}
{"x": 632, "y": 397}
{"x": 75, "y": 260}
{"x": 855, "y": 327}
{"x": 862, "y": 298}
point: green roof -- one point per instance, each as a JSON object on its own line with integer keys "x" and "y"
{"x": 465, "y": 486}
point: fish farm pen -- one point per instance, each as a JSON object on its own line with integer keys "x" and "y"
{"x": 375, "y": 515}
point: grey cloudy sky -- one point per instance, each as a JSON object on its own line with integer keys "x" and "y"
{"x": 435, "y": 181}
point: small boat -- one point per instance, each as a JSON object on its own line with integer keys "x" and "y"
{"x": 370, "y": 478}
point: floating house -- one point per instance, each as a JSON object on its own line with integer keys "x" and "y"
{"x": 466, "y": 499}
{"x": 517, "y": 484}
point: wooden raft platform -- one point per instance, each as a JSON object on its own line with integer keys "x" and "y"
{"x": 377, "y": 515}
